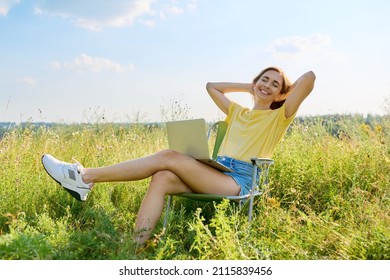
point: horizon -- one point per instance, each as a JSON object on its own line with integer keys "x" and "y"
{"x": 131, "y": 122}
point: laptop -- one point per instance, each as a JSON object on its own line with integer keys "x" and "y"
{"x": 190, "y": 137}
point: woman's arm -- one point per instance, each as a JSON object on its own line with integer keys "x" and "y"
{"x": 298, "y": 92}
{"x": 217, "y": 92}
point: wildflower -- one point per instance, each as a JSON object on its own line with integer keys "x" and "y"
{"x": 273, "y": 202}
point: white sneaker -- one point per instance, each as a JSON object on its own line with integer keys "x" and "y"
{"x": 68, "y": 176}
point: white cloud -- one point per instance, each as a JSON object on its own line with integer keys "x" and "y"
{"x": 170, "y": 9}
{"x": 97, "y": 14}
{"x": 192, "y": 5}
{"x": 85, "y": 63}
{"x": 150, "y": 23}
{"x": 7, "y": 5}
{"x": 174, "y": 10}
{"x": 29, "y": 81}
{"x": 314, "y": 47}
{"x": 94, "y": 15}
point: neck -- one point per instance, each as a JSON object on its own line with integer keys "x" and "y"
{"x": 262, "y": 106}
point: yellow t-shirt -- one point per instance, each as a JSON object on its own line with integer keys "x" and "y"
{"x": 253, "y": 133}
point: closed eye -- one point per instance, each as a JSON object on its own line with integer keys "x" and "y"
{"x": 274, "y": 83}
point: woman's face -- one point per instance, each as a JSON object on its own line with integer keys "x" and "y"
{"x": 269, "y": 86}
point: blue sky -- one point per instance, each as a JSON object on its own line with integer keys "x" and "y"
{"x": 78, "y": 60}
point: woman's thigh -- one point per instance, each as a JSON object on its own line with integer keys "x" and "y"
{"x": 199, "y": 177}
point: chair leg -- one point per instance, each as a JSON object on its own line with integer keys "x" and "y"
{"x": 167, "y": 210}
{"x": 252, "y": 193}
{"x": 250, "y": 209}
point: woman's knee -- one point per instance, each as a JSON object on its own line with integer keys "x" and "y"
{"x": 161, "y": 180}
{"x": 167, "y": 182}
{"x": 168, "y": 154}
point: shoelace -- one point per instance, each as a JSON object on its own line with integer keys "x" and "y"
{"x": 78, "y": 166}
{"x": 65, "y": 167}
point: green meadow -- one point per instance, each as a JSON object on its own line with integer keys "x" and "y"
{"x": 328, "y": 197}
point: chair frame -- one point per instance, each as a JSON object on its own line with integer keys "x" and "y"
{"x": 259, "y": 166}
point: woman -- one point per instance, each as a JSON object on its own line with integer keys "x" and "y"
{"x": 251, "y": 133}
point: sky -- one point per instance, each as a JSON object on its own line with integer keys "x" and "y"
{"x": 134, "y": 60}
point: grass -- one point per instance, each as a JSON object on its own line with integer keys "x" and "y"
{"x": 328, "y": 198}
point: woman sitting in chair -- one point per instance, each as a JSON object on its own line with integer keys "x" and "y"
{"x": 251, "y": 133}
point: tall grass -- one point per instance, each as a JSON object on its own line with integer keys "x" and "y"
{"x": 328, "y": 198}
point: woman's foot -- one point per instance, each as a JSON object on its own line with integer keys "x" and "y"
{"x": 68, "y": 175}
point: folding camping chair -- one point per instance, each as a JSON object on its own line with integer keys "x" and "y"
{"x": 260, "y": 166}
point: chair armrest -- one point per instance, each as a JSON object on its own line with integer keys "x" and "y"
{"x": 261, "y": 161}
{"x": 262, "y": 165}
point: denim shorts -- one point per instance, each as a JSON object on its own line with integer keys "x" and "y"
{"x": 242, "y": 174}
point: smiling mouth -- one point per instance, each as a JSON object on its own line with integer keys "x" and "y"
{"x": 264, "y": 92}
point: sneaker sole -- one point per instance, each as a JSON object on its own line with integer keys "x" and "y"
{"x": 76, "y": 195}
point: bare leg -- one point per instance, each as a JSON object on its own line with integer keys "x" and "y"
{"x": 125, "y": 171}
{"x": 199, "y": 177}
{"x": 162, "y": 183}
{"x": 172, "y": 173}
